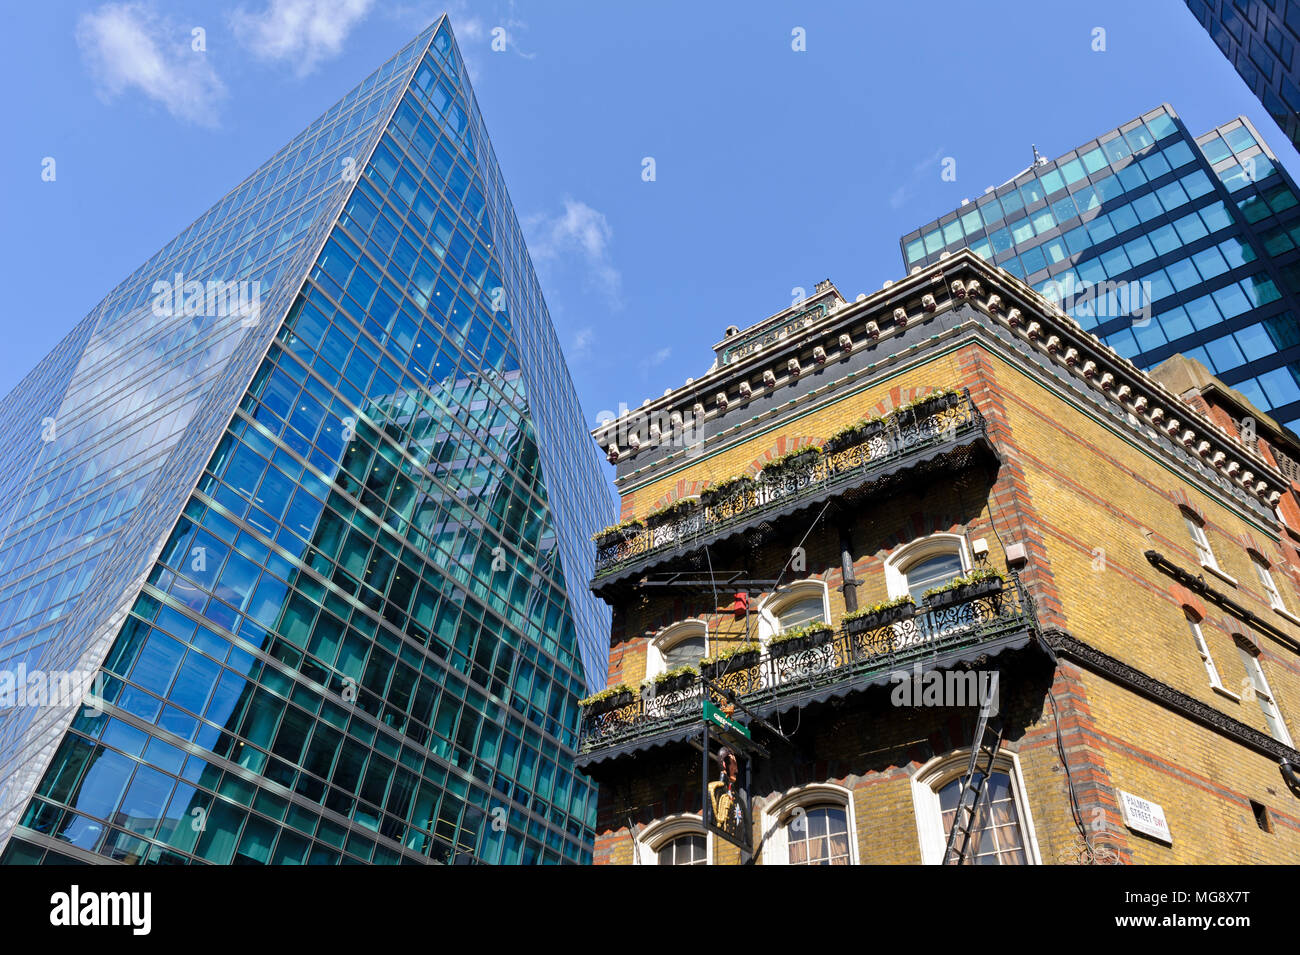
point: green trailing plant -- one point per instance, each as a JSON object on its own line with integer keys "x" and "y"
{"x": 605, "y": 694}
{"x": 672, "y": 511}
{"x": 614, "y": 530}
{"x": 799, "y": 633}
{"x": 974, "y": 577}
{"x": 726, "y": 488}
{"x": 903, "y": 601}
{"x": 722, "y": 656}
{"x": 792, "y": 459}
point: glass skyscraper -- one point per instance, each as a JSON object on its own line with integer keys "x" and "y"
{"x": 1260, "y": 38}
{"x": 312, "y": 491}
{"x": 1158, "y": 243}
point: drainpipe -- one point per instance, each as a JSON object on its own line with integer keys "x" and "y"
{"x": 850, "y": 586}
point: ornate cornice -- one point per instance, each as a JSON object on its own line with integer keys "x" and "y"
{"x": 1006, "y": 303}
{"x": 1072, "y": 648}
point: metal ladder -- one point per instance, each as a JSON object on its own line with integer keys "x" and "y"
{"x": 988, "y": 740}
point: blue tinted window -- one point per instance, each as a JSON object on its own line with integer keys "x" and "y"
{"x": 1179, "y": 154}
{"x": 1162, "y": 125}
{"x": 1123, "y": 343}
{"x": 1139, "y": 250}
{"x": 1203, "y": 312}
{"x": 1210, "y": 263}
{"x": 1176, "y": 324}
{"x": 1280, "y": 386}
{"x": 1232, "y": 301}
{"x": 1155, "y": 165}
{"x": 1239, "y": 139}
{"x": 1215, "y": 149}
{"x": 1254, "y": 342}
{"x": 1093, "y": 160}
{"x": 1033, "y": 260}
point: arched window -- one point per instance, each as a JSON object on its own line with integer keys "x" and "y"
{"x": 675, "y": 840}
{"x": 811, "y": 826}
{"x": 684, "y": 850}
{"x": 682, "y": 644}
{"x": 1003, "y": 833}
{"x": 924, "y": 564}
{"x": 795, "y": 605}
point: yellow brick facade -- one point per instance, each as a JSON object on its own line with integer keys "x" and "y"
{"x": 1090, "y": 498}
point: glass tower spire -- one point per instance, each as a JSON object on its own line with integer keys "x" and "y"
{"x": 313, "y": 491}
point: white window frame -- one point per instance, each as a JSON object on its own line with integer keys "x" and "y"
{"x": 667, "y": 638}
{"x": 911, "y": 553}
{"x": 769, "y": 624}
{"x": 1201, "y": 543}
{"x": 1264, "y": 695}
{"x": 939, "y": 772}
{"x": 662, "y": 831}
{"x": 1203, "y": 649}
{"x": 776, "y": 849}
{"x": 1264, "y": 571}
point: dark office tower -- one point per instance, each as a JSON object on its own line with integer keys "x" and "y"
{"x": 313, "y": 491}
{"x": 1158, "y": 243}
{"x": 1260, "y": 38}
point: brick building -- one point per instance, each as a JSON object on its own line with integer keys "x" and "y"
{"x": 878, "y": 535}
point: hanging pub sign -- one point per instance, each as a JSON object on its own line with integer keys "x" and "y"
{"x": 726, "y": 801}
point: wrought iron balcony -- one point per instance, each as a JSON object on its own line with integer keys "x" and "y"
{"x": 906, "y": 441}
{"x": 936, "y": 637}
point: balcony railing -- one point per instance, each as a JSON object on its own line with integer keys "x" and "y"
{"x": 905, "y": 436}
{"x": 935, "y": 637}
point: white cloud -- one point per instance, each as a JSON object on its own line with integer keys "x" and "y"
{"x": 128, "y": 45}
{"x": 578, "y": 232}
{"x": 302, "y": 31}
{"x": 654, "y": 360}
{"x": 582, "y": 339}
{"x": 902, "y": 194}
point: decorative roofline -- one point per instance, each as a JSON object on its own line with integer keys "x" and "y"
{"x": 963, "y": 278}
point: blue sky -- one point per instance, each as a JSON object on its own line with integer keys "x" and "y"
{"x": 774, "y": 168}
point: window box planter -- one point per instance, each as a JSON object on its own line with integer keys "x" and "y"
{"x": 880, "y": 616}
{"x": 618, "y": 534}
{"x": 928, "y": 405}
{"x": 725, "y": 491}
{"x": 672, "y": 681}
{"x": 790, "y": 462}
{"x": 734, "y": 662}
{"x": 606, "y": 701}
{"x": 854, "y": 434}
{"x": 796, "y": 641}
{"x": 965, "y": 588}
{"x": 671, "y": 512}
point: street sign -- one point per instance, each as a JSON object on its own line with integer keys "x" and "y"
{"x": 720, "y": 719}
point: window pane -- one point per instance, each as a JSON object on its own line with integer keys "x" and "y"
{"x": 800, "y": 612}
{"x": 818, "y": 836}
{"x": 931, "y": 572}
{"x": 996, "y": 837}
{"x": 684, "y": 652}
